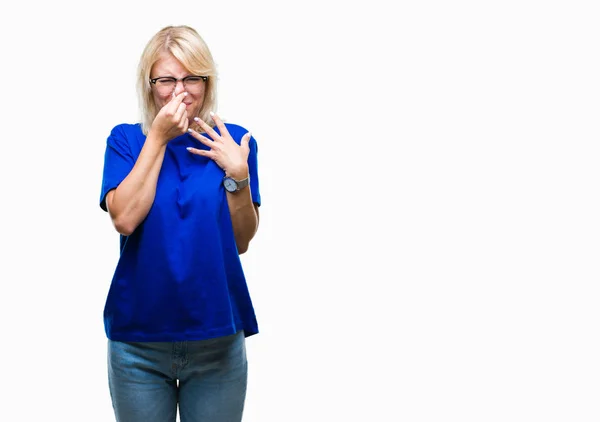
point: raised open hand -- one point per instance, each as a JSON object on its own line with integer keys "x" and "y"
{"x": 224, "y": 151}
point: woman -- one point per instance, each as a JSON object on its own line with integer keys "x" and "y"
{"x": 181, "y": 187}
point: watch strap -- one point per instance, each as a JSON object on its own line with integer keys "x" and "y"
{"x": 241, "y": 184}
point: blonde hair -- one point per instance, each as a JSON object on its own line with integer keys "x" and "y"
{"x": 187, "y": 46}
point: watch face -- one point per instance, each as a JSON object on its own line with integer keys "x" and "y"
{"x": 230, "y": 184}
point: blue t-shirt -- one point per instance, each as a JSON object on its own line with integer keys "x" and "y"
{"x": 179, "y": 275}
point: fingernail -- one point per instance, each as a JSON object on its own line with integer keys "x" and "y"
{"x": 190, "y": 129}
{"x": 212, "y": 113}
{"x": 189, "y": 148}
{"x": 197, "y": 119}
{"x": 250, "y": 134}
{"x": 185, "y": 94}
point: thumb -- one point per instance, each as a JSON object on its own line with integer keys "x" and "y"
{"x": 246, "y": 139}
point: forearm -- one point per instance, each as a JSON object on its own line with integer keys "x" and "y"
{"x": 130, "y": 202}
{"x": 234, "y": 160}
{"x": 244, "y": 217}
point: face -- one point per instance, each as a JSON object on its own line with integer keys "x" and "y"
{"x": 168, "y": 65}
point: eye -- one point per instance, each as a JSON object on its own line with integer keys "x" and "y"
{"x": 193, "y": 79}
{"x": 165, "y": 81}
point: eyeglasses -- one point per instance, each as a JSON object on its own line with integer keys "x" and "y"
{"x": 166, "y": 84}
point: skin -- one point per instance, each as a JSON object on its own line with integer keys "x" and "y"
{"x": 131, "y": 201}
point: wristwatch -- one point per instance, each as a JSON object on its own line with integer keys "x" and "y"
{"x": 232, "y": 185}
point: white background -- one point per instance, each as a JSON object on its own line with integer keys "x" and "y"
{"x": 429, "y": 237}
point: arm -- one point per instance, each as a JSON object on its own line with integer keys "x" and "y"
{"x": 233, "y": 159}
{"x": 244, "y": 216}
{"x": 129, "y": 204}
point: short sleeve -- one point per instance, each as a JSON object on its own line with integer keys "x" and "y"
{"x": 118, "y": 162}
{"x": 253, "y": 171}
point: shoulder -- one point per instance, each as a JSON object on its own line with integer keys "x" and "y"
{"x": 126, "y": 133}
{"x": 125, "y": 129}
{"x": 235, "y": 129}
{"x": 237, "y": 132}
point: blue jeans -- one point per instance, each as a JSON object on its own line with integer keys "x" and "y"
{"x": 207, "y": 378}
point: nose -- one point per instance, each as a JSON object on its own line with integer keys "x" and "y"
{"x": 179, "y": 88}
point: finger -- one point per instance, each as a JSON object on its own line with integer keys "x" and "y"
{"x": 244, "y": 143}
{"x": 179, "y": 97}
{"x": 201, "y": 138}
{"x": 200, "y": 152}
{"x": 180, "y": 112}
{"x": 185, "y": 122}
{"x": 176, "y": 100}
{"x": 205, "y": 126}
{"x": 219, "y": 123}
{"x": 196, "y": 126}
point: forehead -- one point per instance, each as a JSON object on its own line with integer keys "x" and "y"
{"x": 168, "y": 65}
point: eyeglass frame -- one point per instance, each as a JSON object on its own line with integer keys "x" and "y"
{"x": 153, "y": 80}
